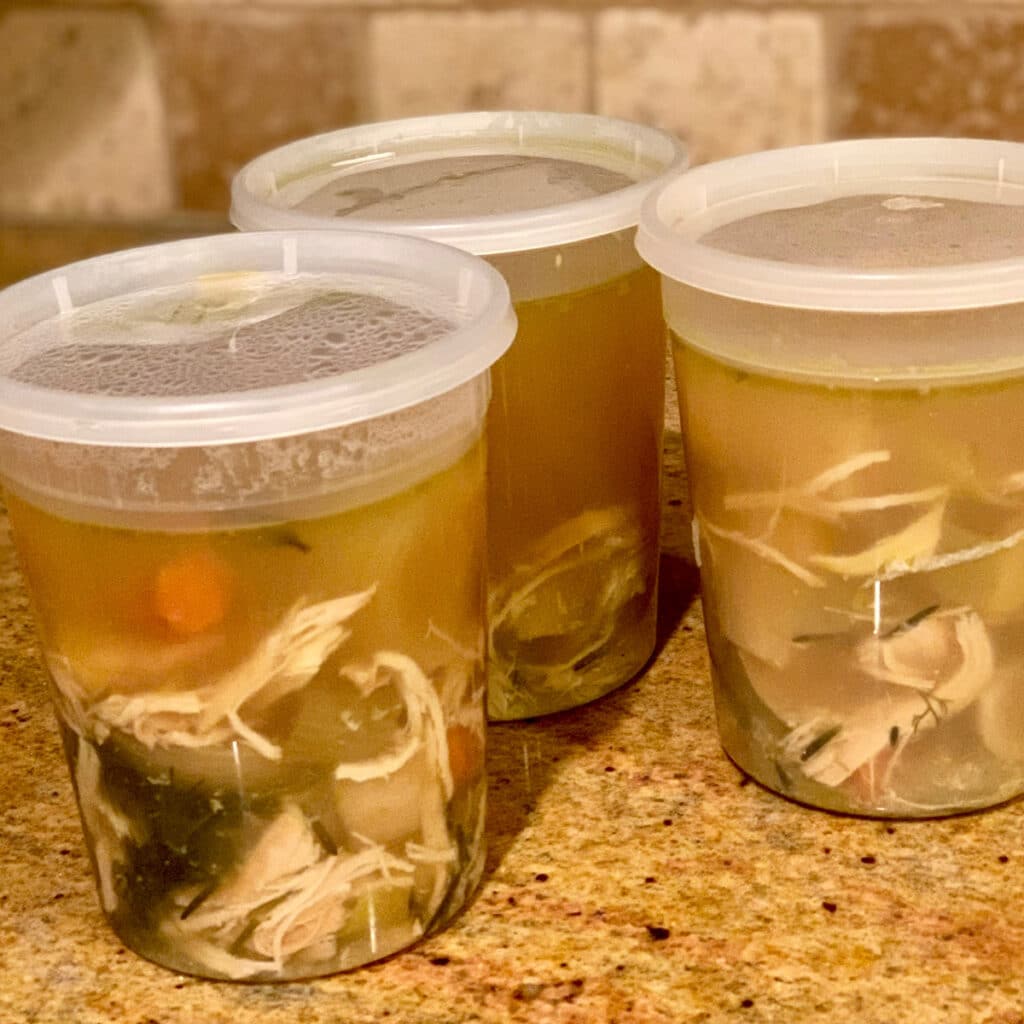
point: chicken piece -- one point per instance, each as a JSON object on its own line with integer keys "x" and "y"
{"x": 562, "y": 606}
{"x": 284, "y": 661}
{"x": 107, "y": 828}
{"x": 937, "y": 668}
{"x": 289, "y": 897}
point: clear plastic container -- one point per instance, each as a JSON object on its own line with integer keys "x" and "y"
{"x": 846, "y": 324}
{"x": 575, "y": 429}
{"x": 245, "y": 477}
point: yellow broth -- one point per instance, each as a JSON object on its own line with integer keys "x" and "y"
{"x": 861, "y": 557}
{"x": 285, "y": 778}
{"x": 574, "y": 434}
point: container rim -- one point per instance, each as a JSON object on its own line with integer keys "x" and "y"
{"x": 468, "y": 284}
{"x": 677, "y": 213}
{"x": 607, "y": 141}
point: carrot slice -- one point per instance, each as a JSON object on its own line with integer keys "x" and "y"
{"x": 465, "y": 754}
{"x": 193, "y": 592}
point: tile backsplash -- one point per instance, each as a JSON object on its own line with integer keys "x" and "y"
{"x": 143, "y": 111}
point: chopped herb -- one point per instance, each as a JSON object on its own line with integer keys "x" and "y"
{"x": 289, "y": 538}
{"x": 589, "y": 659}
{"x": 914, "y": 620}
{"x": 323, "y": 836}
{"x": 813, "y": 638}
{"x": 819, "y": 741}
{"x": 197, "y": 900}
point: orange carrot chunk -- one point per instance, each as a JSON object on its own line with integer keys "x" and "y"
{"x": 465, "y": 754}
{"x": 193, "y": 592}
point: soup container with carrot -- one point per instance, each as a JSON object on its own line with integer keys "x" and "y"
{"x": 245, "y": 476}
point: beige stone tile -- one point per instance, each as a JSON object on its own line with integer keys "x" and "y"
{"x": 82, "y": 127}
{"x": 932, "y": 74}
{"x": 445, "y": 61}
{"x": 730, "y": 82}
{"x": 241, "y": 81}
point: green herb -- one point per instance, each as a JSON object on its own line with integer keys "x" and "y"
{"x": 323, "y": 836}
{"x": 819, "y": 741}
{"x": 907, "y": 624}
{"x": 200, "y": 897}
{"x": 284, "y": 536}
{"x": 813, "y": 638}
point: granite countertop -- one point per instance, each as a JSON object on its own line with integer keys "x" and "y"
{"x": 634, "y": 875}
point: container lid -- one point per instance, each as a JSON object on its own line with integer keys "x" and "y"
{"x": 893, "y": 225}
{"x": 244, "y": 337}
{"x": 488, "y": 182}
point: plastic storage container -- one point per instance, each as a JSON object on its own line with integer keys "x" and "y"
{"x": 846, "y": 323}
{"x": 575, "y": 428}
{"x": 245, "y": 476}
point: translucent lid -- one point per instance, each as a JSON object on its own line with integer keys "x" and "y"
{"x": 244, "y": 337}
{"x": 894, "y": 225}
{"x": 486, "y": 182}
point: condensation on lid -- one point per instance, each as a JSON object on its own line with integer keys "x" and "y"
{"x": 897, "y": 225}
{"x": 244, "y": 337}
{"x": 488, "y": 182}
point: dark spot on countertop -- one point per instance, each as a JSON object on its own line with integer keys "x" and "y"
{"x": 528, "y": 991}
{"x": 541, "y": 876}
{"x": 829, "y": 906}
{"x": 440, "y": 961}
{"x": 868, "y": 859}
{"x": 657, "y": 932}
{"x": 747, "y": 1004}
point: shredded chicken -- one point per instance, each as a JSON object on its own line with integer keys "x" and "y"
{"x": 106, "y": 826}
{"x": 905, "y": 548}
{"x": 425, "y": 731}
{"x": 289, "y": 897}
{"x": 948, "y": 559}
{"x": 285, "y": 660}
{"x": 551, "y": 618}
{"x": 938, "y": 668}
{"x": 765, "y": 551}
{"x": 807, "y": 497}
{"x": 424, "y": 726}
{"x": 1001, "y": 714}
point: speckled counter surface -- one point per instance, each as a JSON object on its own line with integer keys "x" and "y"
{"x": 634, "y": 875}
